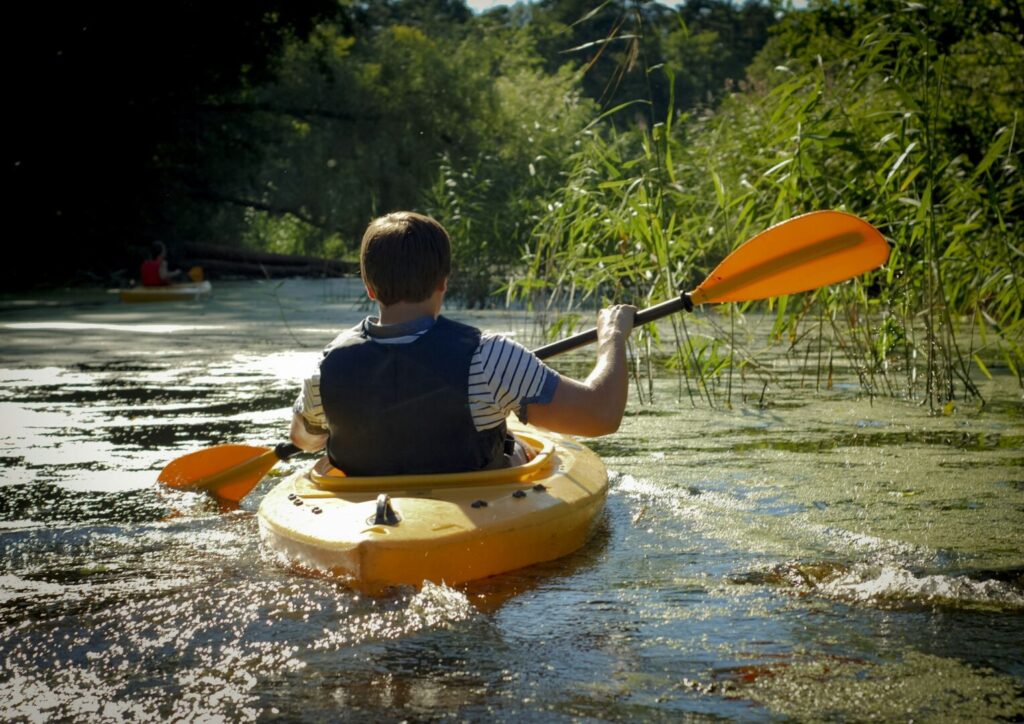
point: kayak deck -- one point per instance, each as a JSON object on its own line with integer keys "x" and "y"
{"x": 449, "y": 528}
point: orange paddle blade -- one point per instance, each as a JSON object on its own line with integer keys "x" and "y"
{"x": 229, "y": 472}
{"x": 806, "y": 252}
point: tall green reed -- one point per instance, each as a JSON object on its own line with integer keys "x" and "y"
{"x": 865, "y": 121}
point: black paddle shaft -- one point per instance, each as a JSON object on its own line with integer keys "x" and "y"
{"x": 285, "y": 450}
{"x": 651, "y": 314}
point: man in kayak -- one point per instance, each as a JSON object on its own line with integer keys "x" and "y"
{"x": 154, "y": 272}
{"x": 411, "y": 391}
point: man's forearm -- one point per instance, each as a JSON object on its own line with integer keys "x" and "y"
{"x": 609, "y": 379}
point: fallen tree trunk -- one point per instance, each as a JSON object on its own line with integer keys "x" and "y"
{"x": 224, "y": 262}
{"x": 221, "y": 269}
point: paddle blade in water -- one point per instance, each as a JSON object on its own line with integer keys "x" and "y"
{"x": 806, "y": 252}
{"x": 229, "y": 472}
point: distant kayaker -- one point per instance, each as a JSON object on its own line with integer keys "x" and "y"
{"x": 154, "y": 272}
{"x": 411, "y": 391}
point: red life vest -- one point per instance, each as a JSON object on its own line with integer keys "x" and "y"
{"x": 150, "y": 274}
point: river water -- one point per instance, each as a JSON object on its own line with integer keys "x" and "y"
{"x": 793, "y": 556}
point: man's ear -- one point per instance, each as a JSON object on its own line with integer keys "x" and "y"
{"x": 443, "y": 286}
{"x": 366, "y": 285}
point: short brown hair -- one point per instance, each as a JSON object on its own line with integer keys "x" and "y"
{"x": 404, "y": 257}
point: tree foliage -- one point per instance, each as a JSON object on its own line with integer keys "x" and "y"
{"x": 289, "y": 125}
{"x": 111, "y": 141}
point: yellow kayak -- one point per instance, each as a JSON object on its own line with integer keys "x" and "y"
{"x": 377, "y": 532}
{"x": 189, "y": 291}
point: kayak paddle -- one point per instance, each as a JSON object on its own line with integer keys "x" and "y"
{"x": 803, "y": 253}
{"x": 228, "y": 472}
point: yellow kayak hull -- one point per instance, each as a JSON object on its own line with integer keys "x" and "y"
{"x": 170, "y": 293}
{"x": 451, "y": 529}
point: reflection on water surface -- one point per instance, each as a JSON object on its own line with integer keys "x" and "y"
{"x": 795, "y": 557}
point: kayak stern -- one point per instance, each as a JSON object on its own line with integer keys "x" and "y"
{"x": 446, "y": 532}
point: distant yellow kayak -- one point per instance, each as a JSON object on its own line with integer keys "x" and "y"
{"x": 190, "y": 291}
{"x": 376, "y": 532}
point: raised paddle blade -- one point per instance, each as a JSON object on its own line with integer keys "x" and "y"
{"x": 803, "y": 253}
{"x": 227, "y": 471}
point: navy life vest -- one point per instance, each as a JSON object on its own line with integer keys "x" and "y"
{"x": 397, "y": 409}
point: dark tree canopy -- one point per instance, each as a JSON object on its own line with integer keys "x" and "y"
{"x": 106, "y": 104}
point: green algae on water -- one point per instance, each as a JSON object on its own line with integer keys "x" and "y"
{"x": 921, "y": 687}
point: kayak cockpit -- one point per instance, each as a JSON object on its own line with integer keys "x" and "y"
{"x": 326, "y": 477}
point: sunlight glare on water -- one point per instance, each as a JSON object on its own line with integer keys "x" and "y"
{"x": 100, "y": 327}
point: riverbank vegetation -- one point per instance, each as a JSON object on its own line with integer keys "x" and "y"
{"x": 904, "y": 114}
{"x": 577, "y": 151}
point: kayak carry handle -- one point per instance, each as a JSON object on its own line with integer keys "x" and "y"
{"x": 386, "y": 515}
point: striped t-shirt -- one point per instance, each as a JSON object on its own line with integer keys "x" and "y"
{"x": 504, "y": 376}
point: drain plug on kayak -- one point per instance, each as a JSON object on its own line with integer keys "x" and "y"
{"x": 386, "y": 515}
